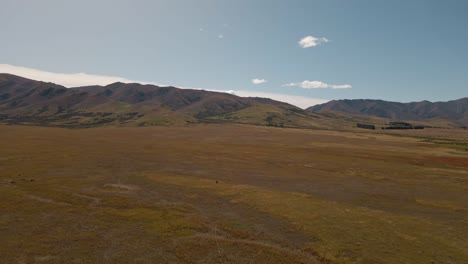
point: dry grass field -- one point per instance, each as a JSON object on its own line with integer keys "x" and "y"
{"x": 232, "y": 194}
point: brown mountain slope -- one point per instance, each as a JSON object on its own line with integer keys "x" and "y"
{"x": 455, "y": 111}
{"x": 31, "y": 102}
{"x": 198, "y": 103}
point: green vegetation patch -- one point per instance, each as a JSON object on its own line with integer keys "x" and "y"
{"x": 163, "y": 222}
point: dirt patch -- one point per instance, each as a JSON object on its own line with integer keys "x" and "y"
{"x": 120, "y": 187}
{"x": 261, "y": 244}
{"x": 44, "y": 200}
{"x": 94, "y": 200}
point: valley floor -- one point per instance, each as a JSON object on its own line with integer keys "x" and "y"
{"x": 232, "y": 194}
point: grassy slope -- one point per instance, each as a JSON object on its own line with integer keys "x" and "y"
{"x": 380, "y": 121}
{"x": 230, "y": 194}
{"x": 274, "y": 115}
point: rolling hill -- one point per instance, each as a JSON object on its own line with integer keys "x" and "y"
{"x": 24, "y": 101}
{"x": 455, "y": 112}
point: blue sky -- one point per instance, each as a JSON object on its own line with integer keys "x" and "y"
{"x": 380, "y": 49}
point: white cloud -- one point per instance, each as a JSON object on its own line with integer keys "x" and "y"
{"x": 220, "y": 36}
{"x": 342, "y": 86}
{"x": 318, "y": 85}
{"x": 65, "y": 79}
{"x": 310, "y": 84}
{"x": 258, "y": 81}
{"x": 311, "y": 41}
{"x": 83, "y": 79}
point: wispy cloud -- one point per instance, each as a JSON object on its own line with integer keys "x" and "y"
{"x": 311, "y": 41}
{"x": 318, "y": 85}
{"x": 220, "y": 36}
{"x": 258, "y": 81}
{"x": 66, "y": 79}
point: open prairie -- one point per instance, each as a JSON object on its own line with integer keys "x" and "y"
{"x": 232, "y": 194}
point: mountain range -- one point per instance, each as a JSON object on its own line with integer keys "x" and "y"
{"x": 25, "y": 101}
{"x": 455, "y": 111}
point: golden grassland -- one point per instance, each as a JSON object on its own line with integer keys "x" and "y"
{"x": 232, "y": 194}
